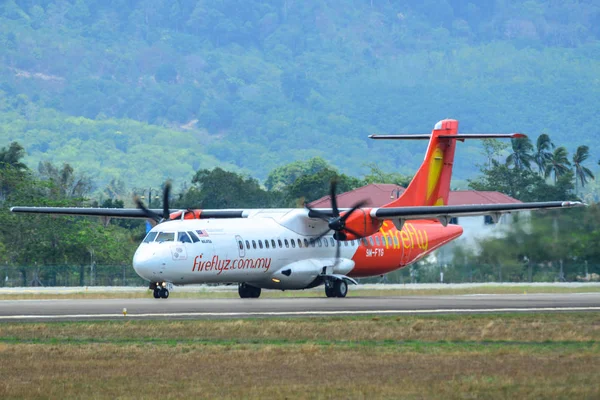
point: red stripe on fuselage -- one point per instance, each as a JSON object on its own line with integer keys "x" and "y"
{"x": 397, "y": 249}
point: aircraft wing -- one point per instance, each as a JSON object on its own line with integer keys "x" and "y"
{"x": 118, "y": 212}
{"x": 444, "y": 213}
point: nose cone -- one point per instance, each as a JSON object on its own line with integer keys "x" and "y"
{"x": 145, "y": 262}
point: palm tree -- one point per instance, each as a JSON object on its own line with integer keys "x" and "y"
{"x": 559, "y": 163}
{"x": 543, "y": 152}
{"x": 581, "y": 173}
{"x": 521, "y": 153}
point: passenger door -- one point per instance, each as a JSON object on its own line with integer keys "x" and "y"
{"x": 240, "y": 245}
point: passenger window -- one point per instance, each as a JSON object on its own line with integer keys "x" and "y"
{"x": 254, "y": 244}
{"x": 248, "y": 245}
{"x": 286, "y": 243}
{"x": 332, "y": 242}
{"x": 183, "y": 237}
{"x": 299, "y": 243}
{"x": 165, "y": 237}
{"x": 273, "y": 243}
{"x": 305, "y": 242}
{"x": 325, "y": 242}
{"x": 365, "y": 242}
{"x": 260, "y": 244}
{"x": 150, "y": 237}
{"x": 371, "y": 241}
{"x": 346, "y": 243}
{"x": 293, "y": 243}
{"x": 377, "y": 240}
{"x": 193, "y": 236}
{"x": 279, "y": 241}
{"x": 267, "y": 244}
{"x": 241, "y": 245}
{"x": 319, "y": 242}
{"x": 397, "y": 241}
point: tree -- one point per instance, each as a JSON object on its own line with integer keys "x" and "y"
{"x": 376, "y": 175}
{"x": 311, "y": 187}
{"x": 285, "y": 175}
{"x": 558, "y": 164}
{"x": 65, "y": 184}
{"x": 218, "y": 188}
{"x": 493, "y": 149}
{"x": 582, "y": 174}
{"x": 12, "y": 156}
{"x": 543, "y": 152}
{"x": 522, "y": 184}
{"x": 521, "y": 153}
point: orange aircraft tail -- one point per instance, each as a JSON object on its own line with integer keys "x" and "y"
{"x": 431, "y": 184}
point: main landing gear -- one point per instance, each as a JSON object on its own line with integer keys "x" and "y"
{"x": 160, "y": 290}
{"x": 248, "y": 292}
{"x": 336, "y": 288}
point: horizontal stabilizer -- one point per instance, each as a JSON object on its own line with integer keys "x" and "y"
{"x": 461, "y": 136}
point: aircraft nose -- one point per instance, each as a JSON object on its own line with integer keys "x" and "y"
{"x": 145, "y": 263}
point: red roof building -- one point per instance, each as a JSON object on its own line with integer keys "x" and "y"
{"x": 379, "y": 194}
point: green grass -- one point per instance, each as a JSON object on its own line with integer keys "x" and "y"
{"x": 538, "y": 355}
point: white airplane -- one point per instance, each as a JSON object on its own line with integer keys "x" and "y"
{"x": 291, "y": 249}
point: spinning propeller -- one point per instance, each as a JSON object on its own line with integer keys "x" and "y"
{"x": 336, "y": 222}
{"x": 151, "y": 214}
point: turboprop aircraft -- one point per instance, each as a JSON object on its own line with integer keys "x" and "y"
{"x": 300, "y": 248}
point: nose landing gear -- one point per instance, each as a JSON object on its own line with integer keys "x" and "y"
{"x": 160, "y": 290}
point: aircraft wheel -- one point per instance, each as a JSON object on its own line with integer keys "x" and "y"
{"x": 247, "y": 291}
{"x": 156, "y": 293}
{"x": 340, "y": 288}
{"x": 329, "y": 291}
{"x": 255, "y": 292}
{"x": 164, "y": 293}
{"x": 243, "y": 291}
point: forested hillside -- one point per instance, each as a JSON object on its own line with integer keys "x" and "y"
{"x": 139, "y": 91}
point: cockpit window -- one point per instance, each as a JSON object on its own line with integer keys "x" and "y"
{"x": 150, "y": 237}
{"x": 183, "y": 238}
{"x": 193, "y": 236}
{"x": 165, "y": 237}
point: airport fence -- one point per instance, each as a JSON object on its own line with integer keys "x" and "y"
{"x": 124, "y": 275}
{"x": 69, "y": 275}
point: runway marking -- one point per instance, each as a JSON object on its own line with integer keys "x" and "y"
{"x": 297, "y": 313}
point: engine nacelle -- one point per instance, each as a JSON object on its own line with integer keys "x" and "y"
{"x": 186, "y": 214}
{"x": 361, "y": 222}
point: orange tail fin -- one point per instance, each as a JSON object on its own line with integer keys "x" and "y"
{"x": 431, "y": 184}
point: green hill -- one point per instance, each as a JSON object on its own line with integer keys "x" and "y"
{"x": 145, "y": 90}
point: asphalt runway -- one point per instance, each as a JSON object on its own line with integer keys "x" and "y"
{"x": 73, "y": 310}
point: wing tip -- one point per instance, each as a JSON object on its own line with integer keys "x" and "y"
{"x": 573, "y": 204}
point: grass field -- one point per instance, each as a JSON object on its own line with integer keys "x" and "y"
{"x": 448, "y": 356}
{"x": 353, "y": 292}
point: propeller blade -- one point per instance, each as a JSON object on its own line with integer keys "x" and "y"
{"x": 146, "y": 211}
{"x": 333, "y": 197}
{"x": 358, "y": 205}
{"x": 317, "y": 213}
{"x": 314, "y": 240}
{"x": 337, "y": 252}
{"x": 166, "y": 193}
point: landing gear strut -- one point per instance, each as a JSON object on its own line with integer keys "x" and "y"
{"x": 247, "y": 291}
{"x": 159, "y": 291}
{"x": 336, "y": 288}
